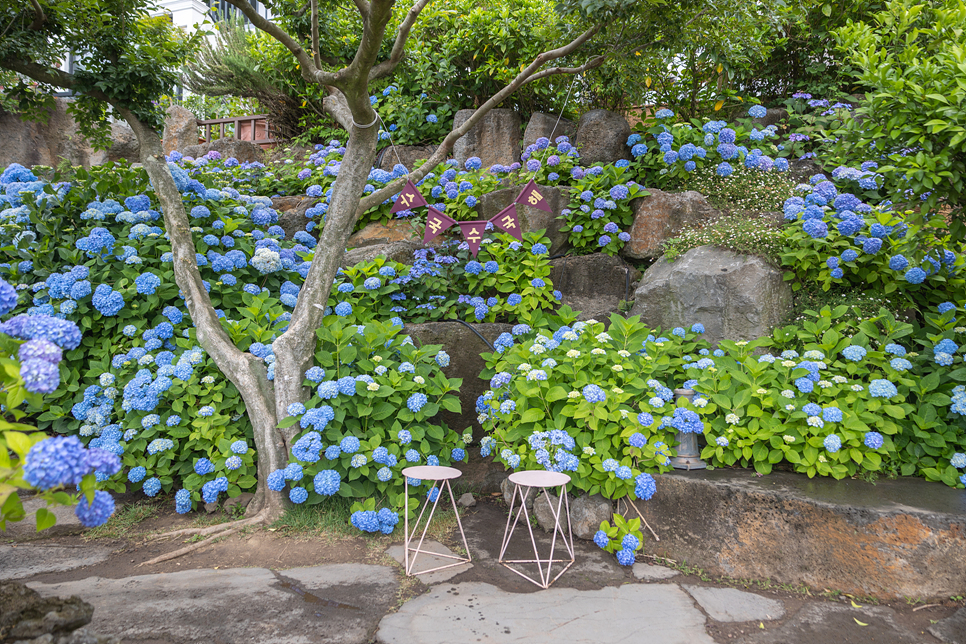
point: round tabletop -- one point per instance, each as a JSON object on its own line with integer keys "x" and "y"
{"x": 432, "y": 472}
{"x": 539, "y": 478}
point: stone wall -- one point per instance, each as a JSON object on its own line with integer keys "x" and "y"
{"x": 57, "y": 139}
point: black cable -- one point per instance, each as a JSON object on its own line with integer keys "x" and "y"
{"x": 487, "y": 342}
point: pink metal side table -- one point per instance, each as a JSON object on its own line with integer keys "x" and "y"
{"x": 430, "y": 473}
{"x": 523, "y": 483}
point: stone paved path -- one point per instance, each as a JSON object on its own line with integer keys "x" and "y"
{"x": 355, "y": 603}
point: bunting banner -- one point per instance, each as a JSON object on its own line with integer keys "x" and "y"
{"x": 436, "y": 223}
{"x": 473, "y": 233}
{"x": 507, "y": 220}
{"x": 531, "y": 196}
{"x": 409, "y": 198}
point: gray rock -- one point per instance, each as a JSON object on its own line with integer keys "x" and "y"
{"x": 291, "y": 213}
{"x": 593, "y": 284}
{"x": 533, "y": 219}
{"x": 829, "y": 622}
{"x": 180, "y": 129}
{"x": 602, "y": 137}
{"x": 80, "y": 636}
{"x": 243, "y": 151}
{"x": 472, "y": 612}
{"x": 804, "y": 169}
{"x": 951, "y": 630}
{"x": 662, "y": 216}
{"x": 27, "y": 560}
{"x": 57, "y": 138}
{"x": 67, "y": 522}
{"x": 242, "y": 500}
{"x": 25, "y": 614}
{"x": 124, "y": 145}
{"x": 240, "y": 604}
{"x": 424, "y": 561}
{"x": 773, "y": 116}
{"x": 648, "y": 572}
{"x": 547, "y": 125}
{"x": 507, "y": 487}
{"x": 495, "y": 139}
{"x": 407, "y": 155}
{"x": 587, "y": 512}
{"x": 465, "y": 346}
{"x": 467, "y": 500}
{"x": 400, "y": 251}
{"x": 733, "y": 605}
{"x": 739, "y": 297}
{"x": 545, "y": 508}
{"x": 211, "y": 508}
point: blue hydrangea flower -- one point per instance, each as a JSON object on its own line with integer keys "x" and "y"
{"x": 98, "y": 511}
{"x": 832, "y": 443}
{"x": 873, "y": 440}
{"x": 601, "y": 539}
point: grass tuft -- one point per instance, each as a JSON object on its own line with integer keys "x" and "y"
{"x": 122, "y": 521}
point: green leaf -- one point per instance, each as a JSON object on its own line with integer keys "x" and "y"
{"x": 45, "y": 519}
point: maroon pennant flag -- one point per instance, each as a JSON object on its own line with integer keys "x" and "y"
{"x": 436, "y": 222}
{"x": 473, "y": 233}
{"x": 409, "y": 198}
{"x": 531, "y": 196}
{"x": 507, "y": 220}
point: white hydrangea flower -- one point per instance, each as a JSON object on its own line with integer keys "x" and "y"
{"x": 573, "y": 353}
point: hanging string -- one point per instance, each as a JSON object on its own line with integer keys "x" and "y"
{"x": 566, "y": 102}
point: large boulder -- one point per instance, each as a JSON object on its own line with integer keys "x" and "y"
{"x": 495, "y": 139}
{"x": 593, "y": 284}
{"x": 24, "y": 614}
{"x": 378, "y": 233}
{"x": 738, "y": 297}
{"x": 243, "y": 151}
{"x": 662, "y": 216}
{"x": 400, "y": 251}
{"x": 180, "y": 130}
{"x": 407, "y": 155}
{"x": 56, "y": 139}
{"x": 602, "y": 137}
{"x": 549, "y": 126}
{"x": 291, "y": 213}
{"x": 464, "y": 348}
{"x": 587, "y": 512}
{"x": 533, "y": 219}
{"x": 773, "y": 116}
{"x": 124, "y": 145}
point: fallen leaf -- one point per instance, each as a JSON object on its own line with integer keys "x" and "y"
{"x": 854, "y": 605}
{"x": 761, "y": 625}
{"x": 860, "y": 623}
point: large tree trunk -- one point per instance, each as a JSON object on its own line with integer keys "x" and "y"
{"x": 244, "y": 370}
{"x": 295, "y": 349}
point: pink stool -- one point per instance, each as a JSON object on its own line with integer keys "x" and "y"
{"x": 430, "y": 473}
{"x": 523, "y": 483}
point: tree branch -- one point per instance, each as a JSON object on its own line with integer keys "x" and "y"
{"x": 446, "y": 146}
{"x": 553, "y": 71}
{"x": 363, "y": 8}
{"x": 386, "y": 67}
{"x": 315, "y": 34}
{"x": 336, "y": 106}
{"x": 310, "y": 71}
{"x": 40, "y": 18}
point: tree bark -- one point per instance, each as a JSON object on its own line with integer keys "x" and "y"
{"x": 244, "y": 370}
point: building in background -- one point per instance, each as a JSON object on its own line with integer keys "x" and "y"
{"x": 188, "y": 13}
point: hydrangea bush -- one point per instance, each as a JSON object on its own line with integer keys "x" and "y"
{"x": 596, "y": 404}
{"x": 832, "y": 400}
{"x": 370, "y": 417}
{"x": 59, "y": 469}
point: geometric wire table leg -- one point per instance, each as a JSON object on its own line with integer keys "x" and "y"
{"x": 408, "y": 537}
{"x": 562, "y": 504}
